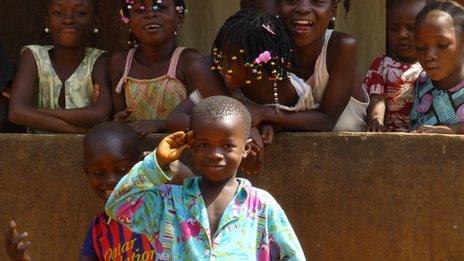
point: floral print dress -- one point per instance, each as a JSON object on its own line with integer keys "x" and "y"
{"x": 395, "y": 80}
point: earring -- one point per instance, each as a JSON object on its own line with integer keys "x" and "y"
{"x": 95, "y": 31}
{"x": 278, "y": 16}
{"x": 47, "y": 30}
{"x": 334, "y": 19}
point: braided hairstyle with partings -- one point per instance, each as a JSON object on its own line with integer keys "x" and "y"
{"x": 124, "y": 12}
{"x": 455, "y": 10}
{"x": 248, "y": 34}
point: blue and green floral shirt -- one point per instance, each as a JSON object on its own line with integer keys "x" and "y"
{"x": 252, "y": 227}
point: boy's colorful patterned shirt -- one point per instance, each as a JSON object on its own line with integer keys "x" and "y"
{"x": 109, "y": 240}
{"x": 252, "y": 227}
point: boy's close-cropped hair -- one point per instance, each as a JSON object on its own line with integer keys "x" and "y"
{"x": 219, "y": 107}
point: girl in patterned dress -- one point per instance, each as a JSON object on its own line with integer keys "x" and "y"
{"x": 64, "y": 87}
{"x": 391, "y": 78}
{"x": 439, "y": 96}
{"x": 152, "y": 78}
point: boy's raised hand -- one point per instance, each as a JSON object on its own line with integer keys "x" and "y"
{"x": 172, "y": 146}
{"x": 16, "y": 245}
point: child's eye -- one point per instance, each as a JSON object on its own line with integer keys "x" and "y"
{"x": 393, "y": 29}
{"x": 410, "y": 28}
{"x": 80, "y": 13}
{"x": 98, "y": 174}
{"x": 161, "y": 6}
{"x": 229, "y": 146}
{"x": 57, "y": 13}
{"x": 443, "y": 46}
{"x": 420, "y": 48}
{"x": 203, "y": 145}
{"x": 291, "y": 1}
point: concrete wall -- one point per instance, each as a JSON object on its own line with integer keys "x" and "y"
{"x": 366, "y": 21}
{"x": 348, "y": 196}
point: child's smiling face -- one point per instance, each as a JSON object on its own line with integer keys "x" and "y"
{"x": 71, "y": 22}
{"x": 306, "y": 20}
{"x": 401, "y": 21}
{"x": 219, "y": 146}
{"x": 154, "y": 27}
{"x": 106, "y": 163}
{"x": 439, "y": 46}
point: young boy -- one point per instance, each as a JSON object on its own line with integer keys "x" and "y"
{"x": 212, "y": 216}
{"x": 110, "y": 150}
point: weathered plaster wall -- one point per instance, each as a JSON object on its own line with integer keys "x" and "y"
{"x": 348, "y": 196}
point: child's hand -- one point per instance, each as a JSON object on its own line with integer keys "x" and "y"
{"x": 267, "y": 134}
{"x": 172, "y": 146}
{"x": 145, "y": 127}
{"x": 16, "y": 245}
{"x": 252, "y": 163}
{"x": 123, "y": 116}
{"x": 439, "y": 129}
{"x": 6, "y": 93}
{"x": 375, "y": 125}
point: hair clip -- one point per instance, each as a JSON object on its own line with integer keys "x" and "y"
{"x": 268, "y": 28}
{"x": 264, "y": 57}
{"x": 124, "y": 19}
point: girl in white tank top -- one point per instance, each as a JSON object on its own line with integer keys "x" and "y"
{"x": 353, "y": 117}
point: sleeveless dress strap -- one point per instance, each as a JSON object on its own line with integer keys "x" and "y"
{"x": 123, "y": 80}
{"x": 174, "y": 61}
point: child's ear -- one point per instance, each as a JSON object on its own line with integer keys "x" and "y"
{"x": 247, "y": 148}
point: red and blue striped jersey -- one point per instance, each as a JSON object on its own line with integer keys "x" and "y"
{"x": 109, "y": 240}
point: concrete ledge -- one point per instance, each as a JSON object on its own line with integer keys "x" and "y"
{"x": 348, "y": 196}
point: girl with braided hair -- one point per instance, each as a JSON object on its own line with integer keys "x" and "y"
{"x": 65, "y": 87}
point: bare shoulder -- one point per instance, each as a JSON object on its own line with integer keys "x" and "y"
{"x": 342, "y": 42}
{"x": 188, "y": 56}
{"x": 102, "y": 60}
{"x": 118, "y": 61}
{"x": 342, "y": 47}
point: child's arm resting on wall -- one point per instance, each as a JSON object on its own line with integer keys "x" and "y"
{"x": 136, "y": 202}
{"x": 22, "y": 109}
{"x": 376, "y": 113}
{"x": 100, "y": 110}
